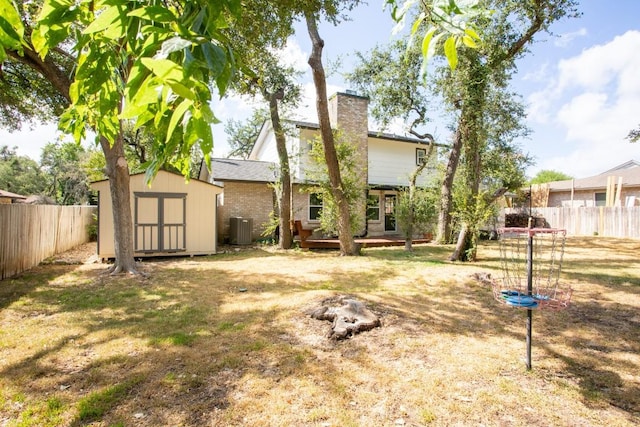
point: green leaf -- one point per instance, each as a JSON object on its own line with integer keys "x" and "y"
{"x": 426, "y": 42}
{"x": 472, "y": 33}
{"x": 215, "y": 57}
{"x": 53, "y": 24}
{"x": 105, "y": 19}
{"x": 451, "y": 52}
{"x": 176, "y": 116}
{"x": 469, "y": 42}
{"x": 416, "y": 24}
{"x": 11, "y": 28}
{"x": 174, "y": 44}
{"x": 163, "y": 68}
{"x": 153, "y": 13}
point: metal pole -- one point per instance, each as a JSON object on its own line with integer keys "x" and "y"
{"x": 529, "y": 293}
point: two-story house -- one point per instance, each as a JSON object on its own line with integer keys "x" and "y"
{"x": 386, "y": 161}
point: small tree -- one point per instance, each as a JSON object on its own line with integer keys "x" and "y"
{"x": 351, "y": 184}
{"x": 416, "y": 211}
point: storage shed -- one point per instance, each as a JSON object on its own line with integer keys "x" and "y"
{"x": 170, "y": 217}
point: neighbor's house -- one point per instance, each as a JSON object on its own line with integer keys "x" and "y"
{"x": 386, "y": 162}
{"x": 7, "y": 197}
{"x": 170, "y": 216}
{"x": 619, "y": 186}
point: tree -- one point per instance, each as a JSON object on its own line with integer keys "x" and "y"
{"x": 242, "y": 134}
{"x": 67, "y": 180}
{"x": 482, "y": 73}
{"x": 20, "y": 174}
{"x": 347, "y": 243}
{"x": 32, "y": 89}
{"x": 634, "y": 135}
{"x": 157, "y": 77}
{"x": 390, "y": 77}
{"x": 415, "y": 212}
{"x": 547, "y": 175}
{"x": 276, "y": 84}
{"x": 318, "y": 176}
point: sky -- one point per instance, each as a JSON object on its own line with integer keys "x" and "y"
{"x": 581, "y": 87}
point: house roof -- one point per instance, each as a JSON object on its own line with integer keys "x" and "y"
{"x": 242, "y": 170}
{"x": 9, "y": 195}
{"x": 629, "y": 171}
{"x": 625, "y": 165}
{"x": 371, "y": 134}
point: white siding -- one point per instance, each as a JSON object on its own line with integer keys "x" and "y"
{"x": 266, "y": 151}
{"x": 391, "y": 162}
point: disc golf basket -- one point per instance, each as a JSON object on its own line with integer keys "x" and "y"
{"x": 531, "y": 261}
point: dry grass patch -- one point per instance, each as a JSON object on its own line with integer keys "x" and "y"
{"x": 224, "y": 340}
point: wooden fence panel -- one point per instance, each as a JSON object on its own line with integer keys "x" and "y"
{"x": 31, "y": 233}
{"x": 589, "y": 221}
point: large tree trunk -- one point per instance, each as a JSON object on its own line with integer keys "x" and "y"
{"x": 347, "y": 243}
{"x": 465, "y": 247}
{"x": 284, "y": 200}
{"x": 443, "y": 235}
{"x": 117, "y": 171}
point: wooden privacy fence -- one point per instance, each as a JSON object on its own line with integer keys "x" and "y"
{"x": 31, "y": 233}
{"x": 583, "y": 221}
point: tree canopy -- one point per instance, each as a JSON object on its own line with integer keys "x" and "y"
{"x": 20, "y": 174}
{"x": 548, "y": 175}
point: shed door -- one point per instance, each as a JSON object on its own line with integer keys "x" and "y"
{"x": 160, "y": 222}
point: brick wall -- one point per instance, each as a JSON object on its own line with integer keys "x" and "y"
{"x": 247, "y": 200}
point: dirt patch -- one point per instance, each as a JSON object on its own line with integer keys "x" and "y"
{"x": 86, "y": 253}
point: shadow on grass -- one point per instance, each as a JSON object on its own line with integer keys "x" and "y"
{"x": 204, "y": 338}
{"x": 14, "y": 288}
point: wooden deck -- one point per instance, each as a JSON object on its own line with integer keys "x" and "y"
{"x": 367, "y": 242}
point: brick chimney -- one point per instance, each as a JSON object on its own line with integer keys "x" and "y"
{"x": 348, "y": 113}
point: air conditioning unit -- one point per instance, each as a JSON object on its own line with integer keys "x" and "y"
{"x": 240, "y": 230}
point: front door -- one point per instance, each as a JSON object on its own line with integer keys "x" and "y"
{"x": 390, "y": 213}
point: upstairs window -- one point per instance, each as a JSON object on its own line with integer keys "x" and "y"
{"x": 421, "y": 156}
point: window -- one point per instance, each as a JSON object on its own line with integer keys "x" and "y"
{"x": 373, "y": 207}
{"x": 315, "y": 206}
{"x": 421, "y": 156}
{"x": 601, "y": 199}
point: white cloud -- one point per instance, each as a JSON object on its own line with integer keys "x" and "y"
{"x": 293, "y": 55}
{"x": 541, "y": 74}
{"x": 594, "y": 101}
{"x": 565, "y": 39}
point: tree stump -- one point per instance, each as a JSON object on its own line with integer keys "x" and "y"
{"x": 349, "y": 317}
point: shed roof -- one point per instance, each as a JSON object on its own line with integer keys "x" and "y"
{"x": 9, "y": 195}
{"x": 161, "y": 171}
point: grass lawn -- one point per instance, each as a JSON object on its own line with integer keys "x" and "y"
{"x": 226, "y": 341}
